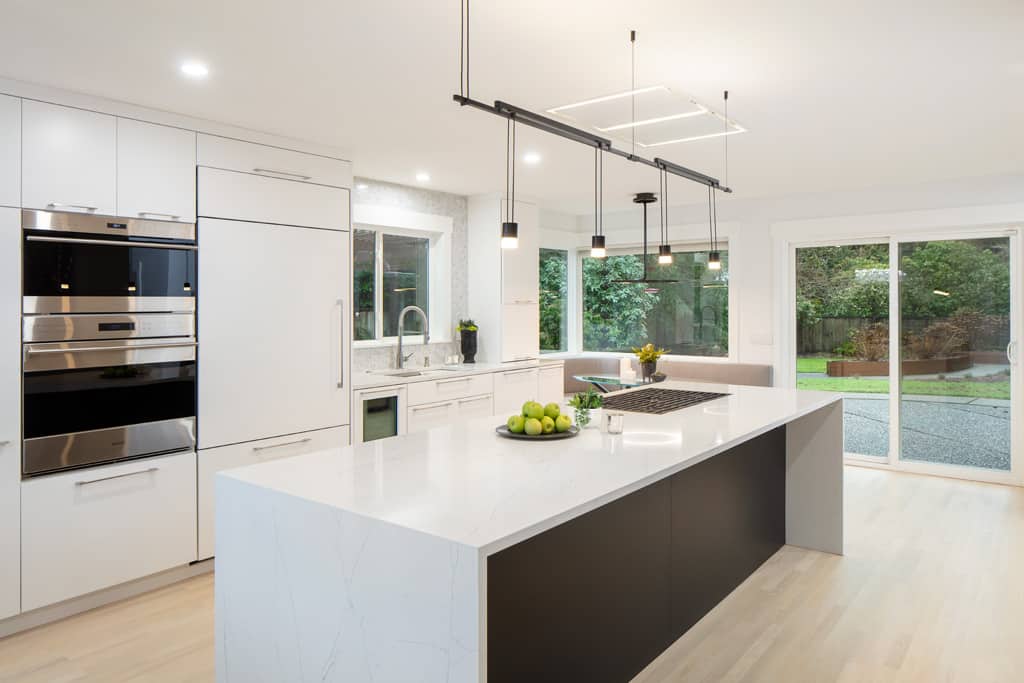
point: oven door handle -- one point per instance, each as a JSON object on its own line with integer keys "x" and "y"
{"x": 140, "y": 347}
{"x": 116, "y": 243}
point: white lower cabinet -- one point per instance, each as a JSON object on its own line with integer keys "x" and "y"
{"x": 513, "y": 388}
{"x": 424, "y": 417}
{"x": 214, "y": 460}
{"x": 10, "y": 410}
{"x": 86, "y": 530}
{"x": 551, "y": 383}
{"x": 475, "y": 406}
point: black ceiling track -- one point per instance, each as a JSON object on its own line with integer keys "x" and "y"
{"x": 549, "y": 125}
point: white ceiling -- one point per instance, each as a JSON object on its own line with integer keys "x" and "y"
{"x": 838, "y": 95}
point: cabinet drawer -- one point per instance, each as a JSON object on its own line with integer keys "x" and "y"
{"x": 214, "y": 460}
{"x": 454, "y": 387}
{"x": 86, "y": 530}
{"x": 247, "y": 197}
{"x": 274, "y": 162}
{"x": 422, "y": 418}
{"x": 475, "y": 406}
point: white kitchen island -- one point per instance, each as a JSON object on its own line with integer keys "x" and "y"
{"x": 456, "y": 555}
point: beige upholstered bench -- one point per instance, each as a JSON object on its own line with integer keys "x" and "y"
{"x": 750, "y": 374}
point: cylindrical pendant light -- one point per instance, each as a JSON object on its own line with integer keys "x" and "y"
{"x": 714, "y": 257}
{"x": 597, "y": 246}
{"x": 509, "y": 228}
{"x": 664, "y": 249}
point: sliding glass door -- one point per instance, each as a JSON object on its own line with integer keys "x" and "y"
{"x": 955, "y": 372}
{"x": 918, "y": 336}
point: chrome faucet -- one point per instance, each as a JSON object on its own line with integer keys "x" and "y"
{"x": 400, "y": 358}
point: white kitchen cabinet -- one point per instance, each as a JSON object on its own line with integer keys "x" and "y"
{"x": 474, "y": 407}
{"x": 247, "y": 197}
{"x": 69, "y": 159}
{"x": 520, "y": 267}
{"x": 520, "y": 332}
{"x": 513, "y": 388}
{"x": 551, "y": 383}
{"x": 449, "y": 388}
{"x": 504, "y": 297}
{"x": 10, "y": 151}
{"x": 10, "y": 412}
{"x": 274, "y": 162}
{"x": 214, "y": 460}
{"x": 86, "y": 530}
{"x": 156, "y": 171}
{"x": 273, "y": 331}
{"x": 424, "y": 417}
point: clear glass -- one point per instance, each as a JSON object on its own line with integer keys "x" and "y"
{"x": 842, "y": 336}
{"x": 688, "y": 317}
{"x": 364, "y": 283}
{"x": 406, "y": 281}
{"x": 614, "y": 422}
{"x": 954, "y": 374}
{"x": 554, "y": 300}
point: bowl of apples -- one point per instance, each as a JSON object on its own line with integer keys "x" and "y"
{"x": 536, "y": 422}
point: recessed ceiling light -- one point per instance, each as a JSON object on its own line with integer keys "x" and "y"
{"x": 531, "y": 158}
{"x": 423, "y": 177}
{"x": 195, "y": 69}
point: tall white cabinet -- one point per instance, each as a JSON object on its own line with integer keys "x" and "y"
{"x": 504, "y": 298}
{"x": 10, "y": 151}
{"x": 10, "y": 412}
{"x": 274, "y": 314}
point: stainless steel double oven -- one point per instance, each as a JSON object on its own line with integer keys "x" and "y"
{"x": 109, "y": 339}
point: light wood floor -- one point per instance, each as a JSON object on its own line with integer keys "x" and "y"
{"x": 931, "y": 589}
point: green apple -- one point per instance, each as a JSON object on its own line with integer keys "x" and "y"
{"x": 562, "y": 423}
{"x": 547, "y": 424}
{"x": 516, "y": 424}
{"x": 552, "y": 410}
{"x": 532, "y": 409}
{"x": 533, "y": 427}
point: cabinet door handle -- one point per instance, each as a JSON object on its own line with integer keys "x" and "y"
{"x": 457, "y": 379}
{"x": 507, "y": 373}
{"x": 341, "y": 346}
{"x": 417, "y": 409}
{"x": 475, "y": 400}
{"x": 5, "y": 442}
{"x": 271, "y": 171}
{"x": 172, "y": 216}
{"x": 58, "y": 205}
{"x": 281, "y": 445}
{"x": 116, "y": 476}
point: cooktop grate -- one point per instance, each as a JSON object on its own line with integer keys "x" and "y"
{"x": 657, "y": 401}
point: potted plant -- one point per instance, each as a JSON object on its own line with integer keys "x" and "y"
{"x": 584, "y": 403}
{"x": 467, "y": 330}
{"x": 647, "y": 355}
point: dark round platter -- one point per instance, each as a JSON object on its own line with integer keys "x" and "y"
{"x": 502, "y": 430}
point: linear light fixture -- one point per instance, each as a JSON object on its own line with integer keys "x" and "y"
{"x": 735, "y": 131}
{"x": 660, "y": 119}
{"x": 608, "y": 98}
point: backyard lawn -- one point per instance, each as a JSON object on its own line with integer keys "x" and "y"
{"x": 920, "y": 387}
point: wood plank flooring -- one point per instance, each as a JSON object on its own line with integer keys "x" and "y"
{"x": 931, "y": 589}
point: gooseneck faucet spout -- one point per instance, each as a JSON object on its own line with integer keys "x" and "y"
{"x": 400, "y": 358}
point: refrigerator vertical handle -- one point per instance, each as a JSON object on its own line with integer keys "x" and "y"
{"x": 341, "y": 345}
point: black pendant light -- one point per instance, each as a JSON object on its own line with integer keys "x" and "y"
{"x": 714, "y": 256}
{"x": 597, "y": 245}
{"x": 664, "y": 249}
{"x": 509, "y": 228}
{"x": 645, "y": 198}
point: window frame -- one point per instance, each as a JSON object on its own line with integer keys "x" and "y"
{"x": 403, "y": 223}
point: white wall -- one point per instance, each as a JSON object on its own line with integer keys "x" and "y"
{"x": 757, "y": 231}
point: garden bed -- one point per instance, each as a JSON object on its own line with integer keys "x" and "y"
{"x": 880, "y": 368}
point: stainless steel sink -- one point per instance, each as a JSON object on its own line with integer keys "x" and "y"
{"x": 398, "y": 373}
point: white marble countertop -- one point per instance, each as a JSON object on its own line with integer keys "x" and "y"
{"x": 382, "y": 378}
{"x": 465, "y": 484}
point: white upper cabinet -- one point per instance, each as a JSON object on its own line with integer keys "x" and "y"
{"x": 273, "y": 162}
{"x": 69, "y": 159}
{"x": 520, "y": 267}
{"x": 10, "y": 411}
{"x": 156, "y": 171}
{"x": 10, "y": 151}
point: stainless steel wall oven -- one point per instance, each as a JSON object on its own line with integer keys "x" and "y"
{"x": 109, "y": 340}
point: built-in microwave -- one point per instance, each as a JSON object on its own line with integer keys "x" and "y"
{"x": 82, "y": 263}
{"x": 380, "y": 413}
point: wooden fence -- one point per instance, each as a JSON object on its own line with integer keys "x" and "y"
{"x": 828, "y": 333}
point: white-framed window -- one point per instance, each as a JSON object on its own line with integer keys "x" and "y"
{"x": 687, "y": 316}
{"x": 396, "y": 264}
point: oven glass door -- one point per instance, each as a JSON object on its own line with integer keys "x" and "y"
{"x": 87, "y": 403}
{"x": 66, "y": 266}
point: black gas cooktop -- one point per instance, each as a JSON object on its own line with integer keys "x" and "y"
{"x": 657, "y": 401}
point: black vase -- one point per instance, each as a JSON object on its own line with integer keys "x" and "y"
{"x": 468, "y": 346}
{"x": 648, "y": 369}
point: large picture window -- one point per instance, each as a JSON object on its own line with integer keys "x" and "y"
{"x": 390, "y": 272}
{"x": 689, "y": 317}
